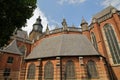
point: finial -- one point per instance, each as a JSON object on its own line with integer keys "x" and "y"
{"x": 38, "y": 19}
{"x": 64, "y": 23}
{"x": 47, "y": 27}
{"x": 47, "y": 30}
{"x": 83, "y": 21}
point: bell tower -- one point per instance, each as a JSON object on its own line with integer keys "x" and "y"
{"x": 37, "y": 30}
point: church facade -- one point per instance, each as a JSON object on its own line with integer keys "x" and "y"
{"x": 91, "y": 52}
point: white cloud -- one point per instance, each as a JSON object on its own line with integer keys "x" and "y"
{"x": 115, "y": 3}
{"x": 32, "y": 20}
{"x": 71, "y": 1}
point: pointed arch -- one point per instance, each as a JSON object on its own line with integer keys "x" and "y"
{"x": 31, "y": 71}
{"x": 91, "y": 69}
{"x": 112, "y": 43}
{"x": 69, "y": 70}
{"x": 49, "y": 71}
{"x": 93, "y": 39}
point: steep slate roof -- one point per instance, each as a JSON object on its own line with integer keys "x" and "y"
{"x": 12, "y": 48}
{"x": 63, "y": 45}
{"x": 22, "y": 34}
{"x": 104, "y": 12}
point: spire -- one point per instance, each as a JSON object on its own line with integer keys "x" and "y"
{"x": 64, "y": 24}
{"x": 84, "y": 24}
{"x": 47, "y": 30}
{"x": 83, "y": 21}
{"x": 38, "y": 21}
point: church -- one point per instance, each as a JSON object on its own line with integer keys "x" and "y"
{"x": 89, "y": 52}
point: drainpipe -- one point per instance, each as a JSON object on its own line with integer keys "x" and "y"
{"x": 60, "y": 68}
{"x": 111, "y": 74}
{"x": 39, "y": 74}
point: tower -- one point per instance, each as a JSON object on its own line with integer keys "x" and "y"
{"x": 84, "y": 26}
{"x": 37, "y": 30}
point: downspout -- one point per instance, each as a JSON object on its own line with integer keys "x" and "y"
{"x": 21, "y": 60}
{"x": 60, "y": 68}
{"x": 111, "y": 75}
{"x": 40, "y": 67}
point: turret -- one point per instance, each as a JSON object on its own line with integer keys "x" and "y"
{"x": 85, "y": 30}
{"x": 37, "y": 30}
{"x": 37, "y": 26}
{"x": 84, "y": 25}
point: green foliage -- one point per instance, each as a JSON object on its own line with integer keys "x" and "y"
{"x": 13, "y": 14}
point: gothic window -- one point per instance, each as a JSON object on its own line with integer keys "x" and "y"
{"x": 10, "y": 60}
{"x": 6, "y": 72}
{"x": 69, "y": 73}
{"x": 91, "y": 69}
{"x": 93, "y": 39}
{"x": 112, "y": 43}
{"x": 31, "y": 71}
{"x": 48, "y": 71}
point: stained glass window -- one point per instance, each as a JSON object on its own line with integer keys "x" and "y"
{"x": 112, "y": 43}
{"x": 91, "y": 69}
{"x": 31, "y": 71}
{"x": 69, "y": 70}
{"x": 48, "y": 71}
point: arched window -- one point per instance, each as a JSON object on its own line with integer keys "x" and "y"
{"x": 91, "y": 69}
{"x": 31, "y": 71}
{"x": 69, "y": 70}
{"x": 48, "y": 71}
{"x": 112, "y": 43}
{"x": 93, "y": 39}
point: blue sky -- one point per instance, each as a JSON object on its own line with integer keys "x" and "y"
{"x": 52, "y": 12}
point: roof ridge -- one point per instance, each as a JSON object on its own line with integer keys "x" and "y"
{"x": 104, "y": 11}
